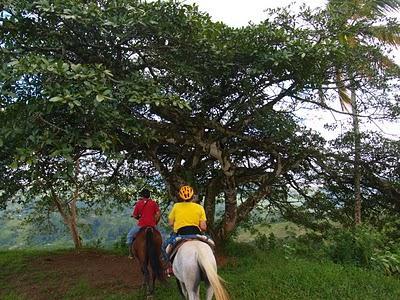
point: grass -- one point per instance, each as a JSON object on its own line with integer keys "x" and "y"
{"x": 15, "y": 262}
{"x": 250, "y": 274}
{"x": 269, "y": 275}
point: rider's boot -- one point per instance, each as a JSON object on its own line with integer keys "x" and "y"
{"x": 131, "y": 256}
{"x": 166, "y": 265}
{"x": 169, "y": 271}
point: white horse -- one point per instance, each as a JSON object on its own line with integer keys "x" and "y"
{"x": 195, "y": 261}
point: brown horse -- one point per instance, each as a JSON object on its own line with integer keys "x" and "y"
{"x": 147, "y": 249}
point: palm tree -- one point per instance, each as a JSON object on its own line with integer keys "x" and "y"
{"x": 353, "y": 12}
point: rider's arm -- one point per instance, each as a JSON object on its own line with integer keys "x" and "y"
{"x": 203, "y": 219}
{"x": 157, "y": 216}
{"x": 171, "y": 222}
{"x": 171, "y": 217}
{"x": 203, "y": 225}
{"x": 135, "y": 213}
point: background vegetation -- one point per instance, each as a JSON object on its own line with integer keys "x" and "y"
{"x": 261, "y": 274}
{"x": 101, "y": 98}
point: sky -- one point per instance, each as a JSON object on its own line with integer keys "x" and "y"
{"x": 239, "y": 13}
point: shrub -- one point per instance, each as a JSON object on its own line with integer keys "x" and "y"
{"x": 387, "y": 262}
{"x": 264, "y": 242}
{"x": 272, "y": 242}
{"x": 310, "y": 245}
{"x": 391, "y": 229}
{"x": 237, "y": 249}
{"x": 120, "y": 245}
{"x": 261, "y": 241}
{"x": 96, "y": 243}
{"x": 355, "y": 245}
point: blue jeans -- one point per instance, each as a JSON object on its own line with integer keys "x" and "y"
{"x": 132, "y": 234}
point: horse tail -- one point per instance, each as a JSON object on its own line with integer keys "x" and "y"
{"x": 152, "y": 255}
{"x": 212, "y": 276}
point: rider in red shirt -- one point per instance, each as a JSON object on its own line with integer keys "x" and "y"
{"x": 147, "y": 212}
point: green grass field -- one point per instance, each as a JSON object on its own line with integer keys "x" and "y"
{"x": 249, "y": 274}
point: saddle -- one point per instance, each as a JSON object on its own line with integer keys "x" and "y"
{"x": 179, "y": 240}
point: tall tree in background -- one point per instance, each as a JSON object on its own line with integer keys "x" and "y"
{"x": 359, "y": 27}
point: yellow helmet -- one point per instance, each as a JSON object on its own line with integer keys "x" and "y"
{"x": 186, "y": 192}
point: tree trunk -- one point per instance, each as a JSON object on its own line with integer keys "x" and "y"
{"x": 228, "y": 169}
{"x": 69, "y": 212}
{"x": 72, "y": 224}
{"x": 211, "y": 193}
{"x": 357, "y": 158}
{"x": 229, "y": 221}
{"x": 70, "y": 220}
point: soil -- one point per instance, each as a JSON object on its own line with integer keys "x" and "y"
{"x": 51, "y": 277}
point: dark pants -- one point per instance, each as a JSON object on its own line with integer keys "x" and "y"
{"x": 189, "y": 230}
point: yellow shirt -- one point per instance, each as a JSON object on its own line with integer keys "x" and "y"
{"x": 186, "y": 214}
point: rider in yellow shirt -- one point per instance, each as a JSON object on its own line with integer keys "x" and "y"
{"x": 187, "y": 217}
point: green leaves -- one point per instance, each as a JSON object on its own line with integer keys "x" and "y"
{"x": 100, "y": 98}
{"x": 56, "y": 99}
{"x": 160, "y": 82}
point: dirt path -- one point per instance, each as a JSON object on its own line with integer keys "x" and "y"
{"x": 52, "y": 276}
{"x": 61, "y": 275}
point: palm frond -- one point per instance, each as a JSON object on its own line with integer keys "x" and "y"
{"x": 344, "y": 98}
{"x": 365, "y": 8}
{"x": 384, "y": 6}
{"x": 390, "y": 36}
{"x": 386, "y": 63}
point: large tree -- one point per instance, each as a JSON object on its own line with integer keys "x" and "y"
{"x": 240, "y": 136}
{"x": 160, "y": 83}
{"x": 66, "y": 96}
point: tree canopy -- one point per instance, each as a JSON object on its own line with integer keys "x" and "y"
{"x": 161, "y": 85}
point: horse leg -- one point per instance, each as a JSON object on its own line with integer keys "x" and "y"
{"x": 153, "y": 283}
{"x": 194, "y": 294}
{"x": 182, "y": 289}
{"x": 146, "y": 278}
{"x": 209, "y": 292}
{"x": 192, "y": 286}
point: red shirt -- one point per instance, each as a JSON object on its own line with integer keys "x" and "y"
{"x": 146, "y": 209}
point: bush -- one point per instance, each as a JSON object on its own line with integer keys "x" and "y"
{"x": 272, "y": 242}
{"x": 261, "y": 241}
{"x": 354, "y": 246}
{"x": 310, "y": 245}
{"x": 120, "y": 245}
{"x": 96, "y": 243}
{"x": 264, "y": 242}
{"x": 391, "y": 229}
{"x": 237, "y": 249}
{"x": 362, "y": 246}
{"x": 387, "y": 262}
